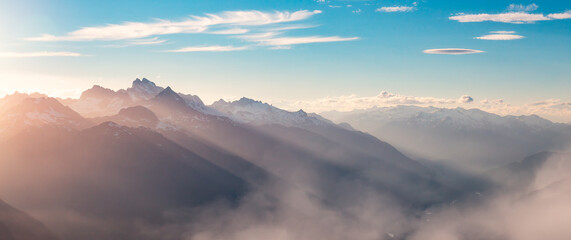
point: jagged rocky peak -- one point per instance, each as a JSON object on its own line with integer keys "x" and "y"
{"x": 143, "y": 89}
{"x": 143, "y": 82}
{"x": 169, "y": 94}
{"x": 302, "y": 113}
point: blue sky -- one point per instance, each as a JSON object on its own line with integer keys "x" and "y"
{"x": 298, "y": 53}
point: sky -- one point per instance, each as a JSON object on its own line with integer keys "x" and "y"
{"x": 508, "y": 57}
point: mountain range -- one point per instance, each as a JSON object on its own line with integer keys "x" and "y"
{"x": 124, "y": 164}
{"x": 464, "y": 137}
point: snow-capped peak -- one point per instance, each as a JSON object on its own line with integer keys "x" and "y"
{"x": 250, "y": 111}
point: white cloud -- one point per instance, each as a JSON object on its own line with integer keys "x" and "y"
{"x": 519, "y": 16}
{"x": 510, "y": 17}
{"x": 465, "y": 99}
{"x": 564, "y": 15}
{"x": 195, "y": 24}
{"x": 286, "y": 41}
{"x": 209, "y": 49}
{"x": 452, "y": 51}
{"x": 522, "y": 8}
{"x": 395, "y": 9}
{"x": 252, "y": 26}
{"x": 500, "y": 36}
{"x": 38, "y": 54}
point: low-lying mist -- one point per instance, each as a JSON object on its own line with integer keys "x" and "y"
{"x": 540, "y": 211}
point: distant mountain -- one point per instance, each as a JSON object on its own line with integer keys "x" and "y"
{"x": 99, "y": 101}
{"x": 459, "y": 136}
{"x": 9, "y": 101}
{"x": 17, "y": 225}
{"x": 36, "y": 112}
{"x": 255, "y": 112}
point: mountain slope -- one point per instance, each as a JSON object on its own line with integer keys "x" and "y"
{"x": 108, "y": 175}
{"x": 17, "y": 225}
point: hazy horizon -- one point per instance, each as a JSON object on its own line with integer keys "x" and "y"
{"x": 285, "y": 120}
{"x": 513, "y": 57}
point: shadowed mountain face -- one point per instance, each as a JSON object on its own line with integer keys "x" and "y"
{"x": 136, "y": 116}
{"x": 458, "y": 136}
{"x": 17, "y": 225}
{"x": 108, "y": 173}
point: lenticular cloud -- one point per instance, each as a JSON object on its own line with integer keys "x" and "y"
{"x": 452, "y": 51}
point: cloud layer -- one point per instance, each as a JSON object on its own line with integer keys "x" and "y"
{"x": 510, "y": 17}
{"x": 553, "y": 109}
{"x": 384, "y": 98}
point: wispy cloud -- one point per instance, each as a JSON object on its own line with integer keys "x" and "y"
{"x": 215, "y": 48}
{"x": 39, "y": 54}
{"x": 452, "y": 51}
{"x": 522, "y": 8}
{"x": 501, "y": 35}
{"x": 260, "y": 28}
{"x": 231, "y": 31}
{"x": 286, "y": 41}
{"x": 195, "y": 24}
{"x": 396, "y": 9}
{"x": 148, "y": 41}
